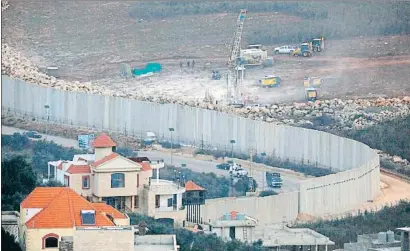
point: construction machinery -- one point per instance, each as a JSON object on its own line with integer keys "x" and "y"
{"x": 314, "y": 82}
{"x": 127, "y": 72}
{"x": 304, "y": 50}
{"x": 270, "y": 81}
{"x": 318, "y": 44}
{"x": 234, "y": 82}
{"x": 253, "y": 55}
{"x": 311, "y": 94}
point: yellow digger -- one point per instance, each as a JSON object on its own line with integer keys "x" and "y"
{"x": 311, "y": 93}
{"x": 314, "y": 82}
{"x": 304, "y": 50}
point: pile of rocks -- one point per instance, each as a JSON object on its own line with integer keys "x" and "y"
{"x": 343, "y": 114}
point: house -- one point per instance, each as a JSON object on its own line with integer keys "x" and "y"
{"x": 382, "y": 241}
{"x": 124, "y": 183}
{"x": 48, "y": 213}
{"x": 192, "y": 199}
{"x": 235, "y": 225}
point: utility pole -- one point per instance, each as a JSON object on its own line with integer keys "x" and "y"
{"x": 47, "y": 117}
{"x": 171, "y": 130}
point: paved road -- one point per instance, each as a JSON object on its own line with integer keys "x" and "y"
{"x": 290, "y": 182}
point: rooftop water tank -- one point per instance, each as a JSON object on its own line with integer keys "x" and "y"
{"x": 240, "y": 216}
{"x": 382, "y": 237}
{"x": 227, "y": 216}
{"x": 390, "y": 236}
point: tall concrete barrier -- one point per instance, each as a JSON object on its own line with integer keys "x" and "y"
{"x": 356, "y": 182}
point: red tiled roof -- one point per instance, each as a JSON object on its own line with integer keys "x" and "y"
{"x": 63, "y": 209}
{"x": 191, "y": 186}
{"x": 76, "y": 169}
{"x": 105, "y": 159}
{"x": 60, "y": 166}
{"x": 103, "y": 140}
{"x": 145, "y": 166}
{"x": 101, "y": 206}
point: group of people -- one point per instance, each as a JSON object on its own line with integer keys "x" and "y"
{"x": 189, "y": 64}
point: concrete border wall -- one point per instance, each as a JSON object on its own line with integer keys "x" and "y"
{"x": 357, "y": 164}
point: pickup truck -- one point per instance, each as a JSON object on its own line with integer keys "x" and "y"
{"x": 237, "y": 171}
{"x": 286, "y": 49}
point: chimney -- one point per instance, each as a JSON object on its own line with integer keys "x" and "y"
{"x": 142, "y": 227}
{"x": 66, "y": 243}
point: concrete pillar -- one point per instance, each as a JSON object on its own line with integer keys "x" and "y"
{"x": 326, "y": 247}
{"x": 316, "y": 248}
{"x": 48, "y": 171}
{"x": 132, "y": 203}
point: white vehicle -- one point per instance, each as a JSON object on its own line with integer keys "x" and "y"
{"x": 237, "y": 171}
{"x": 286, "y": 49}
{"x": 151, "y": 137}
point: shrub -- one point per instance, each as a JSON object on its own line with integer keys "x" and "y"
{"x": 167, "y": 144}
{"x": 267, "y": 193}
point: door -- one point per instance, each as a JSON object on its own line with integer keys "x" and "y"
{"x": 232, "y": 232}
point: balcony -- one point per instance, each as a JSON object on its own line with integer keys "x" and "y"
{"x": 164, "y": 187}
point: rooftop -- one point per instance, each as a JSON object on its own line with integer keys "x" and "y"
{"x": 105, "y": 159}
{"x": 61, "y": 208}
{"x": 164, "y": 187}
{"x": 278, "y": 235}
{"x": 191, "y": 186}
{"x": 155, "y": 242}
{"x": 79, "y": 169}
{"x": 103, "y": 140}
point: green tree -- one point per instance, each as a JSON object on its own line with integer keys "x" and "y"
{"x": 18, "y": 180}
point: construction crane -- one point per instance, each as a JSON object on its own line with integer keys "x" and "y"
{"x": 234, "y": 95}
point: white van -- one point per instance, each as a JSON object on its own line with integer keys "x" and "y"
{"x": 151, "y": 137}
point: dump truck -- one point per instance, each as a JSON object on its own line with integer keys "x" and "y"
{"x": 318, "y": 44}
{"x": 311, "y": 94}
{"x": 304, "y": 50}
{"x": 274, "y": 180}
{"x": 314, "y": 82}
{"x": 270, "y": 81}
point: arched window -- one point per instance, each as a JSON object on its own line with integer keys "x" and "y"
{"x": 117, "y": 180}
{"x": 50, "y": 241}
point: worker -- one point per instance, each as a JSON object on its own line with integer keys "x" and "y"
{"x": 188, "y": 63}
{"x": 193, "y": 64}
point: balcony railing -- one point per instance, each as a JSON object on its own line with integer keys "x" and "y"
{"x": 169, "y": 209}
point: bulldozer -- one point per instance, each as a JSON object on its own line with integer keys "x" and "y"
{"x": 311, "y": 94}
{"x": 318, "y": 44}
{"x": 304, "y": 50}
{"x": 314, "y": 82}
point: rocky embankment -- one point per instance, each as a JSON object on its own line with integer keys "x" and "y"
{"x": 344, "y": 114}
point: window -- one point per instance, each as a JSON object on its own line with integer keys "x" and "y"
{"x": 138, "y": 180}
{"x": 117, "y": 180}
{"x": 157, "y": 201}
{"x": 170, "y": 202}
{"x": 86, "y": 182}
{"x": 136, "y": 201}
{"x": 50, "y": 241}
{"x": 87, "y": 217}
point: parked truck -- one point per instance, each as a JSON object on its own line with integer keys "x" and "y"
{"x": 237, "y": 171}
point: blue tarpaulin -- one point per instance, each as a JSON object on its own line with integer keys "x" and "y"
{"x": 150, "y": 67}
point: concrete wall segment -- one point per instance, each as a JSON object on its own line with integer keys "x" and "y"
{"x": 357, "y": 165}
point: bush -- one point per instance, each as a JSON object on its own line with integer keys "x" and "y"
{"x": 267, "y": 193}
{"x": 128, "y": 152}
{"x": 167, "y": 144}
{"x": 331, "y": 19}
